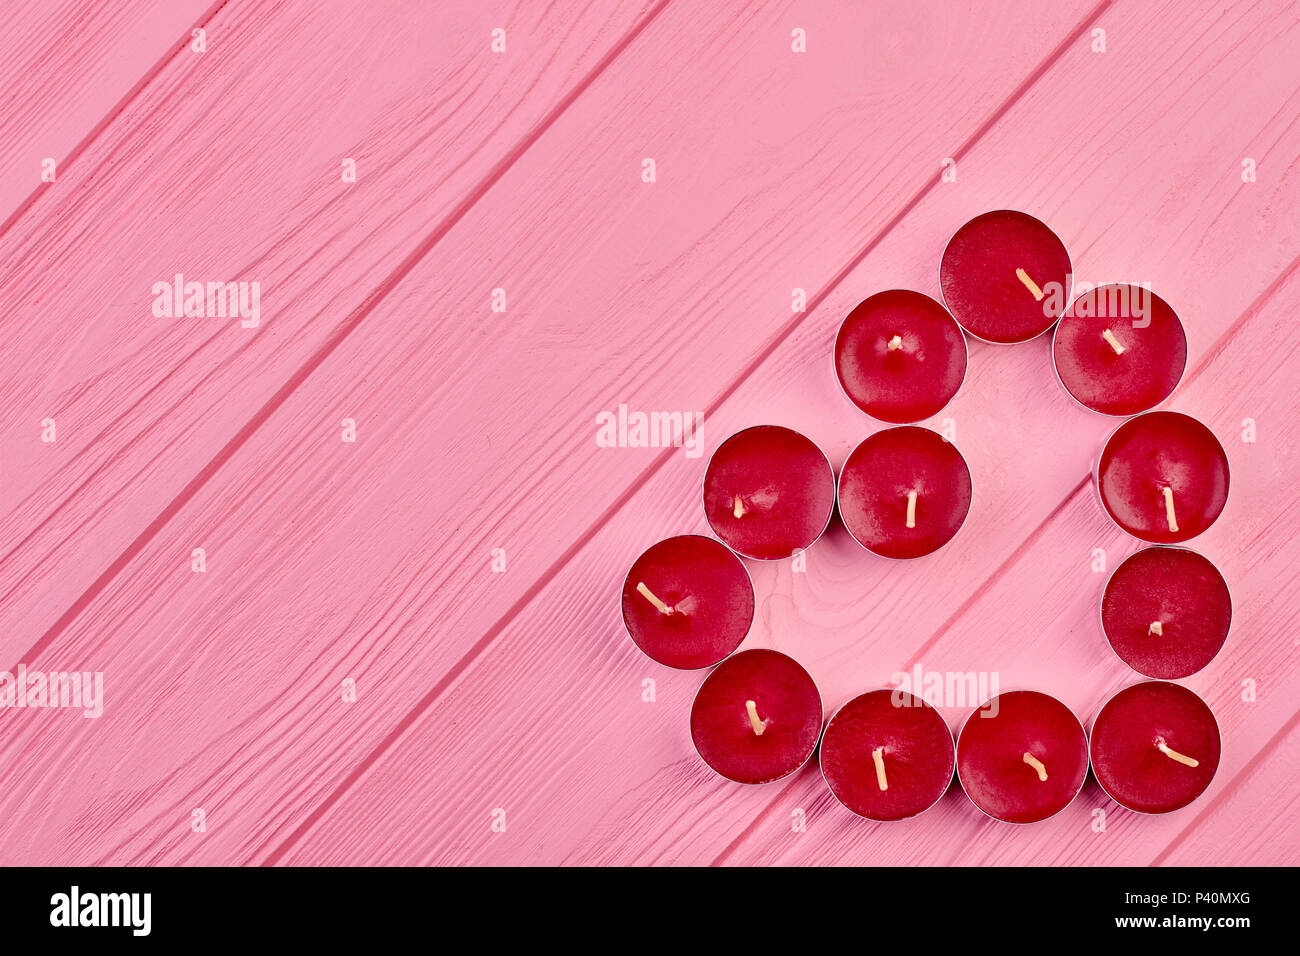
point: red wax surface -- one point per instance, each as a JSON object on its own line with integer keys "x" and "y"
{"x": 786, "y": 487}
{"x": 1119, "y": 383}
{"x": 1185, "y": 593}
{"x": 912, "y": 380}
{"x": 1158, "y": 450}
{"x": 918, "y": 755}
{"x": 785, "y": 698}
{"x": 876, "y": 480}
{"x": 991, "y": 756}
{"x": 1127, "y": 760}
{"x": 709, "y": 592}
{"x": 979, "y": 281}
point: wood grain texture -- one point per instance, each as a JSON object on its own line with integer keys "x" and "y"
{"x": 370, "y": 561}
{"x": 68, "y": 68}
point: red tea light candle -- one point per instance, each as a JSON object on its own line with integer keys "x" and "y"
{"x": 904, "y": 492}
{"x": 1005, "y": 277}
{"x": 688, "y": 602}
{"x": 1119, "y": 350}
{"x": 900, "y": 357}
{"x": 768, "y": 492}
{"x": 1022, "y": 756}
{"x": 1166, "y": 611}
{"x": 1155, "y": 747}
{"x": 756, "y": 717}
{"x": 887, "y": 755}
{"x": 1163, "y": 477}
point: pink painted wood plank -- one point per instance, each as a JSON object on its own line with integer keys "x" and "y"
{"x": 67, "y": 69}
{"x": 636, "y": 757}
{"x": 229, "y": 167}
{"x": 222, "y": 617}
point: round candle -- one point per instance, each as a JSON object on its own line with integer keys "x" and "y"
{"x": 1005, "y": 277}
{"x": 887, "y": 755}
{"x": 1166, "y": 611}
{"x": 1119, "y": 350}
{"x": 756, "y": 717}
{"x": 688, "y": 602}
{"x": 1155, "y": 747}
{"x": 900, "y": 357}
{"x": 768, "y": 492}
{"x": 1163, "y": 477}
{"x": 904, "y": 492}
{"x": 1022, "y": 756}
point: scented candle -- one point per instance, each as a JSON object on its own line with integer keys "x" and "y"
{"x": 688, "y": 602}
{"x": 904, "y": 492}
{"x": 900, "y": 357}
{"x": 887, "y": 755}
{"x": 768, "y": 492}
{"x": 1022, "y": 756}
{"x": 1155, "y": 747}
{"x": 1163, "y": 477}
{"x": 1005, "y": 277}
{"x": 1166, "y": 611}
{"x": 1119, "y": 350}
{"x": 756, "y": 717}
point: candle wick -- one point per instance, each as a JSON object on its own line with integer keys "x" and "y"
{"x": 878, "y": 755}
{"x": 1037, "y": 765}
{"x": 895, "y": 343}
{"x": 1169, "y": 508}
{"x": 911, "y": 509}
{"x": 650, "y": 596}
{"x": 758, "y": 725}
{"x": 1156, "y": 628}
{"x": 738, "y": 507}
{"x": 1030, "y": 284}
{"x": 1165, "y": 749}
{"x": 1109, "y": 336}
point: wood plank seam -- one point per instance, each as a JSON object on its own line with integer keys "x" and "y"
{"x": 117, "y": 110}
{"x": 768, "y": 350}
{"x": 341, "y": 334}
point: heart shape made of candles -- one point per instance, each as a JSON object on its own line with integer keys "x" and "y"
{"x": 769, "y": 493}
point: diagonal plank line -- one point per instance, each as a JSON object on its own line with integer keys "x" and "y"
{"x": 117, "y": 110}
{"x": 1214, "y": 351}
{"x": 476, "y": 651}
{"x": 337, "y": 338}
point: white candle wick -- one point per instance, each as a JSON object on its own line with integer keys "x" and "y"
{"x": 650, "y": 596}
{"x": 1165, "y": 749}
{"x": 911, "y": 509}
{"x": 1030, "y": 284}
{"x": 759, "y": 725}
{"x": 1037, "y": 765}
{"x": 1169, "y": 508}
{"x": 878, "y": 755}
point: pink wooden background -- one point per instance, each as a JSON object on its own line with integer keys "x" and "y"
{"x": 517, "y": 690}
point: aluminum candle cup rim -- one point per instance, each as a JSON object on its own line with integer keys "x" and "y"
{"x": 622, "y": 612}
{"x": 1101, "y": 601}
{"x": 965, "y": 344}
{"x": 821, "y": 706}
{"x": 956, "y": 531}
{"x": 704, "y": 492}
{"x": 1057, "y": 372}
{"x": 1217, "y": 732}
{"x": 1069, "y": 276}
{"x": 822, "y": 768}
{"x": 1087, "y": 749}
{"x": 1096, "y": 473}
